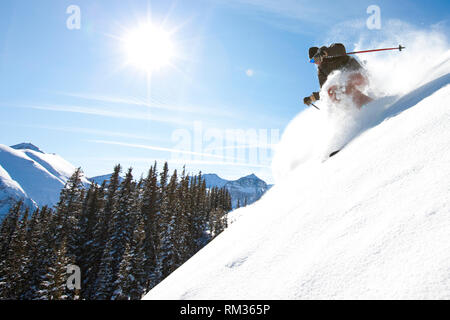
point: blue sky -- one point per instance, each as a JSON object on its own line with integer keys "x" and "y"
{"x": 240, "y": 67}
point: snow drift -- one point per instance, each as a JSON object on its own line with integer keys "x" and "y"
{"x": 370, "y": 223}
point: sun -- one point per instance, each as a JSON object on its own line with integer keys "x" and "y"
{"x": 148, "y": 47}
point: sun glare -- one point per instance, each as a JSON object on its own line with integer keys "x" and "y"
{"x": 148, "y": 48}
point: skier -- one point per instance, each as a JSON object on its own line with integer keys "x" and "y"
{"x": 329, "y": 59}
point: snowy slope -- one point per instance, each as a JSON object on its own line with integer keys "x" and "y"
{"x": 371, "y": 222}
{"x": 10, "y": 193}
{"x": 31, "y": 175}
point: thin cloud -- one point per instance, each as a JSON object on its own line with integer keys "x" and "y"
{"x": 107, "y": 113}
{"x": 152, "y": 103}
{"x": 133, "y": 101}
{"x": 183, "y": 162}
{"x": 89, "y": 131}
{"x": 171, "y": 150}
{"x": 292, "y": 9}
{"x": 296, "y": 16}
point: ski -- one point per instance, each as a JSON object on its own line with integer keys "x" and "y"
{"x": 334, "y": 153}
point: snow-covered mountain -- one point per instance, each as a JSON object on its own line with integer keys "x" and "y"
{"x": 213, "y": 180}
{"x": 29, "y": 174}
{"x": 372, "y": 222}
{"x": 245, "y": 190}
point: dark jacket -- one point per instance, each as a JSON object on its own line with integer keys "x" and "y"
{"x": 336, "y": 60}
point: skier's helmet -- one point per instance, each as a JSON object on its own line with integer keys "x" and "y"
{"x": 336, "y": 49}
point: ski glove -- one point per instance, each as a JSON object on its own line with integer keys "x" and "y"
{"x": 310, "y": 99}
{"x": 307, "y": 101}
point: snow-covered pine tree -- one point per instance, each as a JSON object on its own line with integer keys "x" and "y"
{"x": 123, "y": 283}
{"x": 105, "y": 278}
{"x": 201, "y": 215}
{"x": 39, "y": 249}
{"x": 182, "y": 234}
{"x": 91, "y": 253}
{"x": 54, "y": 282}
{"x": 130, "y": 282}
{"x": 149, "y": 213}
{"x": 119, "y": 229}
{"x": 111, "y": 199}
{"x": 138, "y": 273}
{"x": 69, "y": 209}
{"x": 166, "y": 257}
{"x": 8, "y": 226}
{"x": 121, "y": 219}
{"x": 102, "y": 256}
{"x": 13, "y": 282}
{"x": 94, "y": 247}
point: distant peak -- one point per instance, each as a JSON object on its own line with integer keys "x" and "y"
{"x": 28, "y": 146}
{"x": 252, "y": 178}
{"x": 211, "y": 175}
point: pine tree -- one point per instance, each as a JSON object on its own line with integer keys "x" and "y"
{"x": 182, "y": 234}
{"x": 138, "y": 263}
{"x": 166, "y": 263}
{"x": 101, "y": 257}
{"x": 54, "y": 284}
{"x": 91, "y": 253}
{"x": 35, "y": 250}
{"x": 105, "y": 277}
{"x": 8, "y": 226}
{"x": 119, "y": 227}
{"x": 149, "y": 213}
{"x": 40, "y": 249}
{"x": 13, "y": 282}
{"x": 94, "y": 248}
{"x": 69, "y": 209}
{"x": 123, "y": 283}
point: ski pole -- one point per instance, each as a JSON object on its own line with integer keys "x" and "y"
{"x": 399, "y": 48}
{"x": 315, "y": 106}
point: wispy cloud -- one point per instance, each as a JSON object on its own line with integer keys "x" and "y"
{"x": 90, "y": 131}
{"x": 160, "y": 103}
{"x": 292, "y": 9}
{"x": 297, "y": 16}
{"x": 182, "y": 162}
{"x": 128, "y": 114}
{"x": 171, "y": 150}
